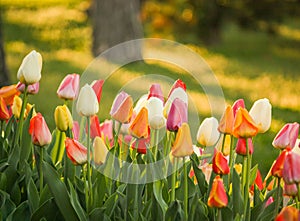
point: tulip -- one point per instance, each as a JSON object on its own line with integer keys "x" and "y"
{"x": 206, "y": 170}
{"x": 76, "y": 152}
{"x": 30, "y": 69}
{"x": 122, "y": 108}
{"x": 139, "y": 128}
{"x": 142, "y": 102}
{"x": 155, "y": 91}
{"x": 143, "y": 145}
{"x": 177, "y": 93}
{"x": 68, "y": 88}
{"x": 76, "y": 130}
{"x": 236, "y": 105}
{"x": 277, "y": 167}
{"x": 217, "y": 196}
{"x": 287, "y": 136}
{"x": 226, "y": 121}
{"x": 244, "y": 126}
{"x": 177, "y": 115}
{"x": 291, "y": 169}
{"x": 261, "y": 113}
{"x": 219, "y": 163}
{"x": 296, "y": 148}
{"x": 288, "y": 214}
{"x": 177, "y": 84}
{"x": 87, "y": 103}
{"x": 290, "y": 189}
{"x": 106, "y": 129}
{"x": 39, "y": 131}
{"x": 16, "y": 106}
{"x": 183, "y": 145}
{"x": 100, "y": 151}
{"x": 241, "y": 146}
{"x": 95, "y": 129}
{"x": 269, "y": 201}
{"x": 258, "y": 181}
{"x": 224, "y": 145}
{"x": 97, "y": 87}
{"x": 32, "y": 88}
{"x": 4, "y": 114}
{"x": 155, "y": 113}
{"x": 208, "y": 133}
{"x": 63, "y": 118}
{"x": 8, "y": 93}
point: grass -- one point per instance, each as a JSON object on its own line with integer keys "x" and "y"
{"x": 247, "y": 64}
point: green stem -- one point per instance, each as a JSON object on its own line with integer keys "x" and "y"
{"x": 89, "y": 175}
{"x": 174, "y": 174}
{"x": 156, "y": 138}
{"x": 246, "y": 191}
{"x": 1, "y": 128}
{"x": 219, "y": 214}
{"x": 231, "y": 159}
{"x": 41, "y": 169}
{"x": 186, "y": 191}
{"x": 244, "y": 171}
{"x": 277, "y": 200}
{"x": 86, "y": 191}
{"x": 223, "y": 143}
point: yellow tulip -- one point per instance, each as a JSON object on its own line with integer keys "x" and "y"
{"x": 63, "y": 118}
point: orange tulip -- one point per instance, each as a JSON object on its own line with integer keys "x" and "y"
{"x": 219, "y": 163}
{"x": 8, "y": 93}
{"x": 4, "y": 114}
{"x": 122, "y": 108}
{"x": 39, "y": 131}
{"x": 183, "y": 145}
{"x": 288, "y": 214}
{"x": 244, "y": 126}
{"x": 217, "y": 197}
{"x": 139, "y": 128}
{"x": 76, "y": 152}
{"x": 226, "y": 122}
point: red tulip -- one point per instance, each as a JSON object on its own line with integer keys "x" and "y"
{"x": 68, "y": 88}
{"x": 143, "y": 145}
{"x": 155, "y": 91}
{"x": 76, "y": 152}
{"x": 183, "y": 145}
{"x": 219, "y": 163}
{"x": 244, "y": 126}
{"x": 217, "y": 196}
{"x": 258, "y": 182}
{"x": 291, "y": 168}
{"x": 8, "y": 93}
{"x": 122, "y": 108}
{"x": 95, "y": 127}
{"x": 241, "y": 146}
{"x": 290, "y": 189}
{"x": 277, "y": 167}
{"x": 97, "y": 87}
{"x": 288, "y": 214}
{"x": 177, "y": 115}
{"x": 226, "y": 122}
{"x": 32, "y": 88}
{"x": 238, "y": 104}
{"x": 39, "y": 131}
{"x": 287, "y": 136}
{"x": 4, "y": 113}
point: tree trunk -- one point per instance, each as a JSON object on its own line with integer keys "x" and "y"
{"x": 114, "y": 22}
{"x": 4, "y": 77}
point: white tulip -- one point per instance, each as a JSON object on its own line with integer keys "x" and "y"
{"x": 140, "y": 103}
{"x": 30, "y": 70}
{"x": 261, "y": 112}
{"x": 176, "y": 93}
{"x": 296, "y": 148}
{"x": 87, "y": 103}
{"x": 155, "y": 108}
{"x": 208, "y": 133}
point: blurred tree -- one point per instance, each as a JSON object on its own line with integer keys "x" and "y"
{"x": 4, "y": 77}
{"x": 114, "y": 22}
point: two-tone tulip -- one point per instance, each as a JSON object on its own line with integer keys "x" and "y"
{"x": 155, "y": 91}
{"x": 217, "y": 196}
{"x": 241, "y": 146}
{"x": 122, "y": 108}
{"x": 155, "y": 108}
{"x": 277, "y": 167}
{"x": 291, "y": 169}
{"x": 208, "y": 133}
{"x": 178, "y": 115}
{"x": 39, "y": 131}
{"x": 261, "y": 113}
{"x": 8, "y": 93}
{"x": 95, "y": 129}
{"x": 226, "y": 121}
{"x": 183, "y": 145}
{"x": 100, "y": 151}
{"x": 69, "y": 87}
{"x": 219, "y": 163}
{"x": 97, "y": 87}
{"x": 76, "y": 130}
{"x": 87, "y": 103}
{"x": 76, "y": 151}
{"x": 287, "y": 136}
{"x": 31, "y": 89}
{"x": 244, "y": 126}
{"x": 139, "y": 128}
{"x": 63, "y": 118}
{"x": 4, "y": 113}
{"x": 288, "y": 213}
{"x": 240, "y": 103}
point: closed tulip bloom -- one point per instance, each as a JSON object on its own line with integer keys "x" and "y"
{"x": 95, "y": 129}
{"x": 68, "y": 88}
{"x": 155, "y": 113}
{"x": 122, "y": 108}
{"x": 177, "y": 93}
{"x": 244, "y": 126}
{"x": 16, "y": 106}
{"x": 290, "y": 189}
{"x": 63, "y": 118}
{"x": 32, "y": 88}
{"x": 258, "y": 182}
{"x": 39, "y": 131}
{"x": 139, "y": 128}
{"x": 76, "y": 151}
{"x": 30, "y": 69}
{"x": 4, "y": 114}
{"x": 208, "y": 133}
{"x": 226, "y": 121}
{"x": 8, "y": 93}
{"x": 237, "y": 104}
{"x": 261, "y": 113}
{"x": 143, "y": 145}
{"x": 288, "y": 214}
{"x": 142, "y": 102}
{"x": 97, "y": 87}
{"x": 178, "y": 115}
{"x": 106, "y": 129}
{"x": 76, "y": 130}
{"x": 87, "y": 103}
{"x": 219, "y": 163}
{"x": 287, "y": 136}
{"x": 291, "y": 169}
{"x": 100, "y": 151}
{"x": 183, "y": 145}
{"x": 277, "y": 167}
{"x": 217, "y": 196}
{"x": 241, "y": 146}
{"x": 155, "y": 91}
{"x": 177, "y": 84}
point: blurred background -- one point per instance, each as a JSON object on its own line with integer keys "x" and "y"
{"x": 252, "y": 46}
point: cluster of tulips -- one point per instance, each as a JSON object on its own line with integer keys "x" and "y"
{"x": 78, "y": 171}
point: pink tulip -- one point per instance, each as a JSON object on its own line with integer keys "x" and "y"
{"x": 97, "y": 87}
{"x": 122, "y": 108}
{"x": 68, "y": 88}
{"x": 155, "y": 91}
{"x": 290, "y": 189}
{"x": 269, "y": 201}
{"x": 177, "y": 84}
{"x": 106, "y": 129}
{"x": 32, "y": 88}
{"x": 76, "y": 152}
{"x": 241, "y": 146}
{"x": 291, "y": 169}
{"x": 237, "y": 104}
{"x": 287, "y": 136}
{"x": 39, "y": 131}
{"x": 76, "y": 130}
{"x": 94, "y": 127}
{"x": 177, "y": 115}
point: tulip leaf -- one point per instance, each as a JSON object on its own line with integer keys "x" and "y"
{"x": 157, "y": 190}
{"x": 200, "y": 178}
{"x": 57, "y": 146}
{"x": 253, "y": 173}
{"x": 6, "y": 205}
{"x": 97, "y": 213}
{"x": 33, "y": 196}
{"x": 237, "y": 202}
{"x": 75, "y": 203}
{"x": 198, "y": 209}
{"x": 47, "y": 210}
{"x": 60, "y": 193}
{"x": 20, "y": 213}
{"x": 174, "y": 212}
{"x": 111, "y": 203}
{"x": 226, "y": 214}
{"x": 99, "y": 189}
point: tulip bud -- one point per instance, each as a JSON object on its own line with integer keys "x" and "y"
{"x": 68, "y": 88}
{"x": 155, "y": 91}
{"x": 219, "y": 163}
{"x": 95, "y": 129}
{"x": 217, "y": 196}
{"x": 208, "y": 133}
{"x": 290, "y": 189}
{"x": 87, "y": 103}
{"x": 177, "y": 84}
{"x": 122, "y": 107}
{"x": 106, "y": 129}
{"x": 32, "y": 88}
{"x": 269, "y": 201}
{"x": 155, "y": 113}
{"x": 291, "y": 169}
{"x": 76, "y": 152}
{"x": 177, "y": 115}
{"x": 261, "y": 113}
{"x": 8, "y": 93}
{"x": 177, "y": 93}
{"x": 226, "y": 122}
{"x": 97, "y": 87}
{"x": 241, "y": 146}
{"x": 30, "y": 69}
{"x": 139, "y": 128}
{"x": 287, "y": 136}
{"x": 244, "y": 126}
{"x": 288, "y": 214}
{"x": 4, "y": 114}
{"x": 39, "y": 131}
{"x": 100, "y": 151}
{"x": 63, "y": 118}
{"x": 183, "y": 145}
{"x": 277, "y": 167}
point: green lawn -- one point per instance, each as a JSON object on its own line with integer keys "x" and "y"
{"x": 248, "y": 64}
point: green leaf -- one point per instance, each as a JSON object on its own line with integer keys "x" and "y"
{"x": 226, "y": 214}
{"x": 98, "y": 212}
{"x": 45, "y": 195}
{"x": 198, "y": 209}
{"x": 60, "y": 193}
{"x": 6, "y": 205}
{"x": 253, "y": 173}
{"x": 58, "y": 149}
{"x": 75, "y": 203}
{"x": 237, "y": 202}
{"x": 20, "y": 213}
{"x": 111, "y": 203}
{"x": 47, "y": 210}
{"x": 157, "y": 191}
{"x": 200, "y": 178}
{"x": 33, "y": 196}
{"x": 175, "y": 212}
{"x": 3, "y": 181}
{"x": 99, "y": 189}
